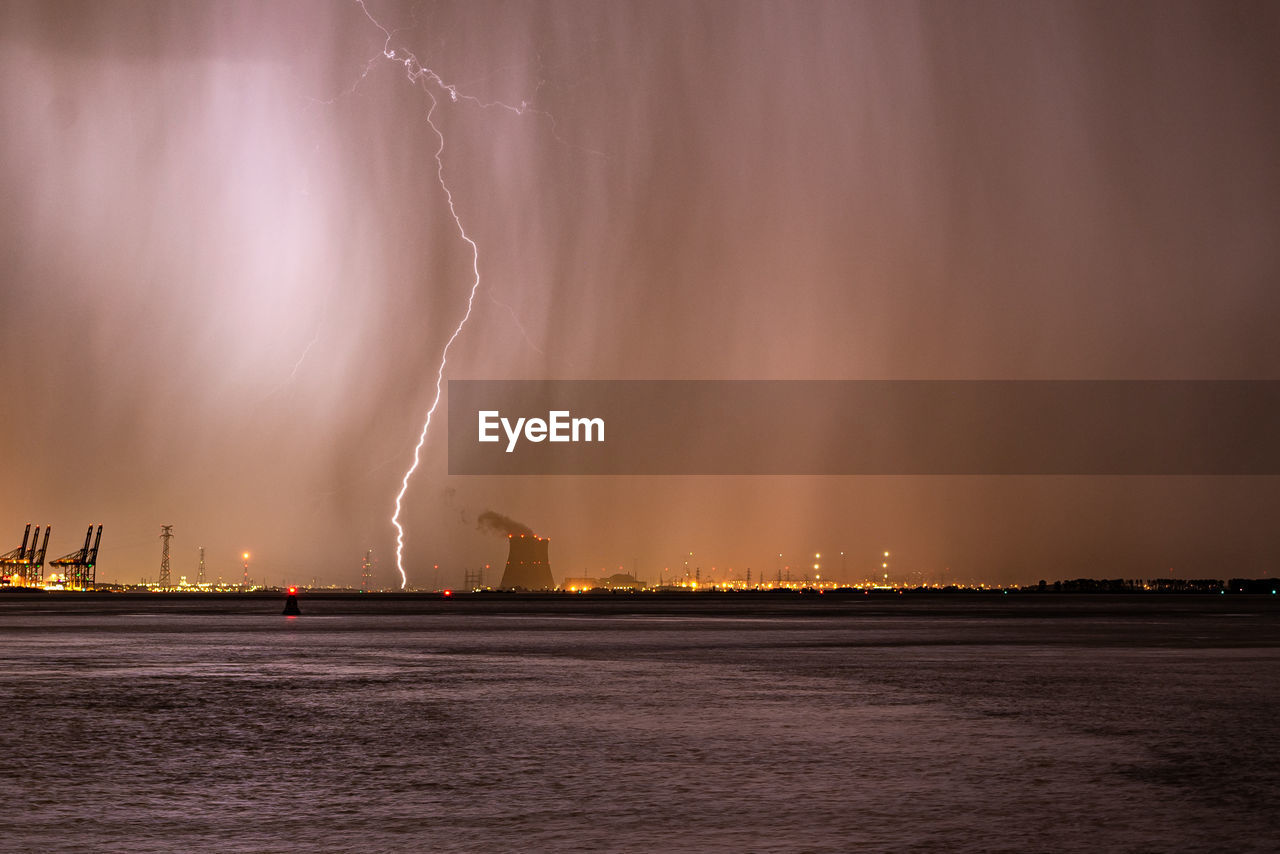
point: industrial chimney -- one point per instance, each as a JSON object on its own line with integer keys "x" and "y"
{"x": 528, "y": 566}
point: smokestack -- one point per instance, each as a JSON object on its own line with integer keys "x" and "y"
{"x": 528, "y": 563}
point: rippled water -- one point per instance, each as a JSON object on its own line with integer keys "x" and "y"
{"x": 1091, "y": 731}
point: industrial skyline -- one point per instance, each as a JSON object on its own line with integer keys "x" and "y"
{"x": 232, "y": 268}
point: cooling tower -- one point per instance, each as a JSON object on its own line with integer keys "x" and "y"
{"x": 528, "y": 567}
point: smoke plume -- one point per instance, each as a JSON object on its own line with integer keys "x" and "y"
{"x": 498, "y": 524}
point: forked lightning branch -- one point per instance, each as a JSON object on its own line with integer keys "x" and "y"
{"x": 558, "y": 426}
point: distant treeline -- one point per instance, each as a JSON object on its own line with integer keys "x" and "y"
{"x": 1160, "y": 585}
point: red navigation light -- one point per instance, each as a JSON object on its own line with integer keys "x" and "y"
{"x": 447, "y": 593}
{"x": 293, "y": 591}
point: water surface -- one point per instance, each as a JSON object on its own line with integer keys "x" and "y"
{"x": 153, "y": 728}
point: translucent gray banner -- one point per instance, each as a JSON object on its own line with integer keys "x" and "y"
{"x": 868, "y": 427}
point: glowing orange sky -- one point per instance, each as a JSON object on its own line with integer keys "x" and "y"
{"x": 229, "y": 269}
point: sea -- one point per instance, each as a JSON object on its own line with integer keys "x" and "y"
{"x": 986, "y": 723}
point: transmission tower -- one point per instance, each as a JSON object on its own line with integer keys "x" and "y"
{"x": 200, "y": 571}
{"x": 166, "y": 531}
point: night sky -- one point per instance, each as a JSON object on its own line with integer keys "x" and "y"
{"x": 229, "y": 268}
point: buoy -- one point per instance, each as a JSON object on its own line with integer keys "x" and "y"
{"x": 291, "y": 603}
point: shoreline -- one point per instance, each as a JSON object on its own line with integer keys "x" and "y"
{"x": 711, "y": 604}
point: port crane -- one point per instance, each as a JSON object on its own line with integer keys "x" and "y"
{"x": 78, "y": 567}
{"x": 27, "y": 562}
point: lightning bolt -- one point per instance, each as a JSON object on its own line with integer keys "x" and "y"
{"x": 296, "y": 366}
{"x": 305, "y": 351}
{"x": 444, "y": 355}
{"x": 420, "y": 75}
{"x": 516, "y": 320}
